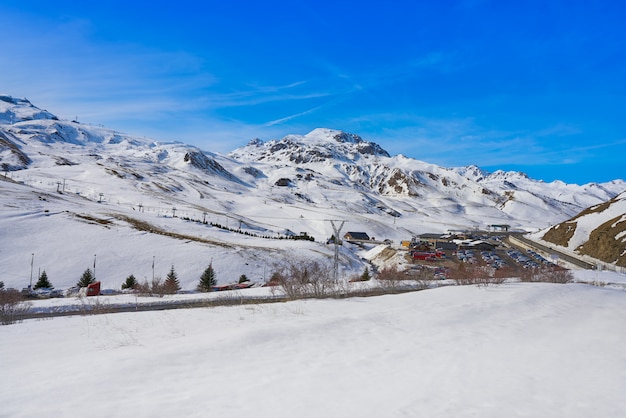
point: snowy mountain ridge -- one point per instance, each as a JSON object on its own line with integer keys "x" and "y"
{"x": 366, "y": 166}
{"x": 17, "y": 110}
{"x": 129, "y": 199}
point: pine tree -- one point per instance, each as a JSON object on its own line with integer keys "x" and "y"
{"x": 43, "y": 282}
{"x": 243, "y": 278}
{"x": 171, "y": 284}
{"x": 130, "y": 283}
{"x": 207, "y": 280}
{"x": 366, "y": 275}
{"x": 86, "y": 279}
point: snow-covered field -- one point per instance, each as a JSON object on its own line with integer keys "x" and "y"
{"x": 514, "y": 350}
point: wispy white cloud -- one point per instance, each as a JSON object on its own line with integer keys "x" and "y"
{"x": 462, "y": 141}
{"x": 257, "y": 96}
{"x": 290, "y": 117}
{"x": 59, "y": 65}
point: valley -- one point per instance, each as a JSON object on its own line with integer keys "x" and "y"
{"x": 76, "y": 195}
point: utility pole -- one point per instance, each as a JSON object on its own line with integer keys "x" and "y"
{"x": 94, "y": 267}
{"x": 337, "y": 231}
{"x": 152, "y": 269}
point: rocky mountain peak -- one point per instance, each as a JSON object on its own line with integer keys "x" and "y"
{"x": 507, "y": 175}
{"x": 255, "y": 142}
{"x": 472, "y": 172}
{"x": 319, "y": 145}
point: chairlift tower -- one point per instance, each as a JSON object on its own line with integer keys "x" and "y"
{"x": 32, "y": 260}
{"x": 337, "y": 231}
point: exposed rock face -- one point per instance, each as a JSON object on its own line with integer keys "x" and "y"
{"x": 283, "y": 182}
{"x": 257, "y": 174}
{"x": 362, "y": 147}
{"x": 561, "y": 234}
{"x": 398, "y": 182}
{"x": 605, "y": 237}
{"x": 201, "y": 161}
{"x": 607, "y": 242}
{"x": 11, "y": 156}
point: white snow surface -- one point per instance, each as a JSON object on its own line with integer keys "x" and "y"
{"x": 514, "y": 350}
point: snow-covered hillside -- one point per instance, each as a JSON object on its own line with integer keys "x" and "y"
{"x": 72, "y": 195}
{"x": 599, "y": 232}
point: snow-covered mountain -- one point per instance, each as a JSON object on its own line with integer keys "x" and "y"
{"x": 598, "y": 231}
{"x": 398, "y": 186}
{"x": 74, "y": 194}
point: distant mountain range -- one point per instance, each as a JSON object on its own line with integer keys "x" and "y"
{"x": 276, "y": 188}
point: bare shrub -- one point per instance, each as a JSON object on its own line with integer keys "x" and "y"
{"x": 503, "y": 273}
{"x": 497, "y": 278}
{"x": 529, "y": 275}
{"x": 93, "y": 305}
{"x": 390, "y": 278}
{"x": 157, "y": 288}
{"x": 143, "y": 288}
{"x": 548, "y": 275}
{"x": 480, "y": 275}
{"x": 230, "y": 298}
{"x": 459, "y": 275}
{"x": 320, "y": 279}
{"x": 13, "y": 308}
{"x": 424, "y": 283}
{"x": 299, "y": 278}
{"x": 421, "y": 278}
{"x": 154, "y": 288}
{"x": 557, "y": 275}
{"x": 290, "y": 287}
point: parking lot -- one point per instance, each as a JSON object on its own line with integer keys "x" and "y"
{"x": 504, "y": 257}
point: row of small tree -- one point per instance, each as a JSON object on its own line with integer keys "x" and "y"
{"x": 171, "y": 284}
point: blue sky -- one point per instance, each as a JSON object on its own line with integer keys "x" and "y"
{"x": 534, "y": 86}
